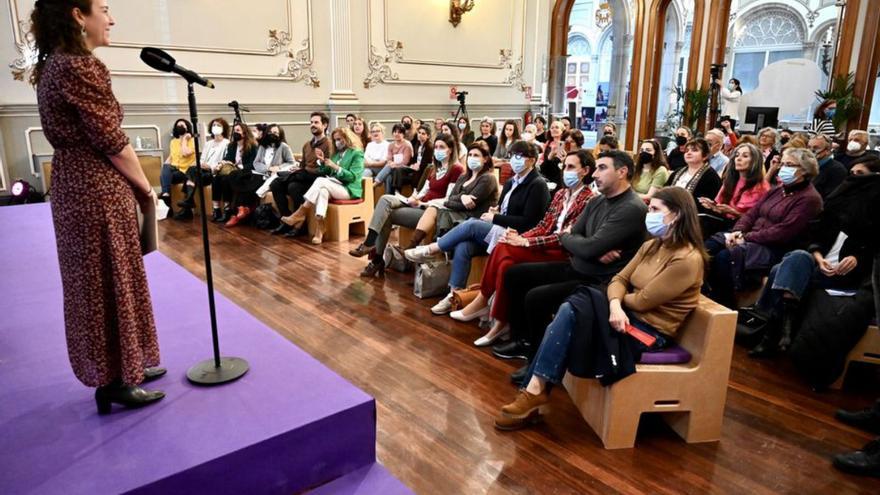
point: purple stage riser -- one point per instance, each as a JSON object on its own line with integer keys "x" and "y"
{"x": 287, "y": 425}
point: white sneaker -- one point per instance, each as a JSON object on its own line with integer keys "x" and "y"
{"x": 419, "y": 254}
{"x": 444, "y": 306}
{"x": 459, "y": 315}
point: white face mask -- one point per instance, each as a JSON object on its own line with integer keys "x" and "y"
{"x": 216, "y": 130}
{"x": 854, "y": 146}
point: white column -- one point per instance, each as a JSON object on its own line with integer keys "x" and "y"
{"x": 342, "y": 91}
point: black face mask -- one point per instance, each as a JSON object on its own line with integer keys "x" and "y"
{"x": 783, "y": 140}
{"x": 681, "y": 140}
{"x": 608, "y": 133}
{"x": 407, "y": 125}
{"x": 179, "y": 131}
{"x": 645, "y": 157}
{"x": 271, "y": 140}
{"x": 236, "y": 136}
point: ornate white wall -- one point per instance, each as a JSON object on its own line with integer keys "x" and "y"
{"x": 286, "y": 58}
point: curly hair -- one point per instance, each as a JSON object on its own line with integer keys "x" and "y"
{"x": 54, "y": 29}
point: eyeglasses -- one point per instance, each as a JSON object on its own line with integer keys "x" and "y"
{"x": 518, "y": 156}
{"x": 790, "y": 164}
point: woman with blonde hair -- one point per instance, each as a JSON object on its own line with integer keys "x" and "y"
{"x": 341, "y": 179}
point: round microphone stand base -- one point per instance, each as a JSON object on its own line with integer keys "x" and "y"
{"x": 207, "y": 373}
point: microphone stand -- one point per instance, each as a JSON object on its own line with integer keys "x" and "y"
{"x": 218, "y": 369}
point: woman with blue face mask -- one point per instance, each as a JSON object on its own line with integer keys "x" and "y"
{"x": 522, "y": 204}
{"x": 777, "y": 224}
{"x": 653, "y": 293}
{"x": 540, "y": 244}
{"x": 823, "y": 119}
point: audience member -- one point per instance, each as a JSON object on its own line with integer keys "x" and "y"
{"x": 541, "y": 134}
{"x": 509, "y": 135}
{"x": 653, "y": 293}
{"x": 717, "y": 159}
{"x": 239, "y": 159}
{"x": 675, "y": 150}
{"x": 730, "y": 97}
{"x": 360, "y": 130}
{"x": 823, "y": 119}
{"x": 212, "y": 156}
{"x": 488, "y": 133}
{"x": 376, "y": 152}
{"x": 464, "y": 129}
{"x": 856, "y": 147}
{"x": 452, "y": 130}
{"x": 342, "y": 180}
{"x": 400, "y": 152}
{"x": 741, "y": 189}
{"x": 606, "y": 143}
{"x": 651, "y": 172}
{"x": 554, "y": 154}
{"x": 273, "y": 156}
{"x": 831, "y": 172}
{"x": 181, "y": 156}
{"x": 696, "y": 176}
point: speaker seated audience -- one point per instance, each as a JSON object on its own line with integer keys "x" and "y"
{"x": 554, "y": 153}
{"x": 606, "y": 143}
{"x": 239, "y": 159}
{"x": 523, "y": 201}
{"x": 529, "y": 135}
{"x": 839, "y": 257}
{"x": 856, "y": 147}
{"x": 741, "y": 189}
{"x": 696, "y": 176}
{"x": 823, "y": 119}
{"x": 452, "y": 130}
{"x": 488, "y": 131}
{"x": 831, "y": 172}
{"x": 212, "y": 156}
{"x": 391, "y": 210}
{"x": 509, "y": 135}
{"x": 777, "y": 224}
{"x": 400, "y": 152}
{"x": 273, "y": 156}
{"x": 541, "y": 132}
{"x": 536, "y": 245}
{"x": 601, "y": 242}
{"x": 376, "y": 151}
{"x": 651, "y": 172}
{"x": 181, "y": 156}
{"x": 295, "y": 184}
{"x": 675, "y": 150}
{"x": 653, "y": 293}
{"x": 342, "y": 177}
{"x": 717, "y": 159}
{"x": 464, "y": 129}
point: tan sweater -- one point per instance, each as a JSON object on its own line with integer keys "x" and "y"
{"x": 660, "y": 289}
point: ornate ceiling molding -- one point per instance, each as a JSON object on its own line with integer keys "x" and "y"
{"x": 380, "y": 65}
{"x": 299, "y": 66}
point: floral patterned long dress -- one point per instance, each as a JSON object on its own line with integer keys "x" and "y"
{"x": 108, "y": 314}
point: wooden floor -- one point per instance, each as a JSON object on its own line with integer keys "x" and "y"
{"x": 437, "y": 394}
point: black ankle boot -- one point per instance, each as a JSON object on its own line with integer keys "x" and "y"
{"x": 788, "y": 315}
{"x": 281, "y": 229}
{"x": 126, "y": 395}
{"x": 769, "y": 344}
{"x": 216, "y": 215}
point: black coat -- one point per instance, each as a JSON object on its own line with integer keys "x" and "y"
{"x": 527, "y": 205}
{"x": 830, "y": 176}
{"x": 247, "y": 159}
{"x": 596, "y": 350}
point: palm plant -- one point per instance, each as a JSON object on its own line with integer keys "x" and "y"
{"x": 843, "y": 88}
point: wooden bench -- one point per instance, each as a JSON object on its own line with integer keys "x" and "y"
{"x": 867, "y": 350}
{"x": 344, "y": 216}
{"x": 691, "y": 396}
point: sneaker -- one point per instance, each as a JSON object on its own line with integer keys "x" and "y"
{"x": 420, "y": 254}
{"x": 511, "y": 350}
{"x": 444, "y": 306}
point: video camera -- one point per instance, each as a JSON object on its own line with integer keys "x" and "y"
{"x": 460, "y": 96}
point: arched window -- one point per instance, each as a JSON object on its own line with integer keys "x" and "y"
{"x": 578, "y": 46}
{"x": 768, "y": 35}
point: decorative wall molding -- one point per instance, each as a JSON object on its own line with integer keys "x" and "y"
{"x": 299, "y": 65}
{"x": 380, "y": 65}
{"x": 27, "y": 53}
{"x": 515, "y": 74}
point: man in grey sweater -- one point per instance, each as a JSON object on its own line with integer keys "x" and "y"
{"x": 603, "y": 240}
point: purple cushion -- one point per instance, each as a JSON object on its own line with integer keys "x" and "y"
{"x": 674, "y": 354}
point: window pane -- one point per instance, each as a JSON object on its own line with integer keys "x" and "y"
{"x": 785, "y": 55}
{"x": 874, "y": 119}
{"x": 746, "y": 67}
{"x": 572, "y": 68}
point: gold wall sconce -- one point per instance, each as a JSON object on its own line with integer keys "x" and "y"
{"x": 457, "y": 8}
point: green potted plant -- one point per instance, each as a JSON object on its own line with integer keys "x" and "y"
{"x": 843, "y": 88}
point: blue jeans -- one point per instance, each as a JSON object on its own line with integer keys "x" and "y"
{"x": 551, "y": 360}
{"x": 465, "y": 241}
{"x": 169, "y": 176}
{"x": 795, "y": 274}
{"x": 384, "y": 175}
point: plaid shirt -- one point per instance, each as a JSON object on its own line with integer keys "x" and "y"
{"x": 544, "y": 234}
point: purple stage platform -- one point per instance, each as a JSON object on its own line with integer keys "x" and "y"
{"x": 288, "y": 425}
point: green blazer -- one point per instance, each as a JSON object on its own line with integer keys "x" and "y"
{"x": 351, "y": 171}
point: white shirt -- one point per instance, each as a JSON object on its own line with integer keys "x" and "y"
{"x": 833, "y": 256}
{"x": 683, "y": 179}
{"x": 214, "y": 152}
{"x": 376, "y": 152}
{"x": 730, "y": 103}
{"x": 566, "y": 205}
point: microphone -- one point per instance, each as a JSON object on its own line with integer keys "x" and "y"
{"x": 234, "y": 104}
{"x": 162, "y": 61}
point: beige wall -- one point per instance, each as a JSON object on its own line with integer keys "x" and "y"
{"x": 378, "y": 58}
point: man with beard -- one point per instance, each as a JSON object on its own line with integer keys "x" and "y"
{"x": 295, "y": 184}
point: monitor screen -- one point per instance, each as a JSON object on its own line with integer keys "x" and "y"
{"x": 761, "y": 117}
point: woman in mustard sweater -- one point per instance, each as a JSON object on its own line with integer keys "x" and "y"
{"x": 340, "y": 179}
{"x": 653, "y": 293}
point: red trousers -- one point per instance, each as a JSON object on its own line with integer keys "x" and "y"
{"x": 503, "y": 257}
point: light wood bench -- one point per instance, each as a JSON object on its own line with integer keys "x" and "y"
{"x": 867, "y": 350}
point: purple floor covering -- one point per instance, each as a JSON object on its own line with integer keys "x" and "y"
{"x": 288, "y": 424}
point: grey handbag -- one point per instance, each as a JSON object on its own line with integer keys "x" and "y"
{"x": 432, "y": 279}
{"x": 394, "y": 259}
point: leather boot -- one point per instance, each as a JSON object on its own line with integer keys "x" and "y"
{"x": 319, "y": 230}
{"x": 362, "y": 250}
{"x": 188, "y": 201}
{"x": 769, "y": 344}
{"x": 376, "y": 268}
{"x": 126, "y": 395}
{"x": 298, "y": 218}
{"x": 417, "y": 238}
{"x": 788, "y": 314}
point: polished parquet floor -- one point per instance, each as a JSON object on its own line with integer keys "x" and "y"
{"x": 437, "y": 394}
